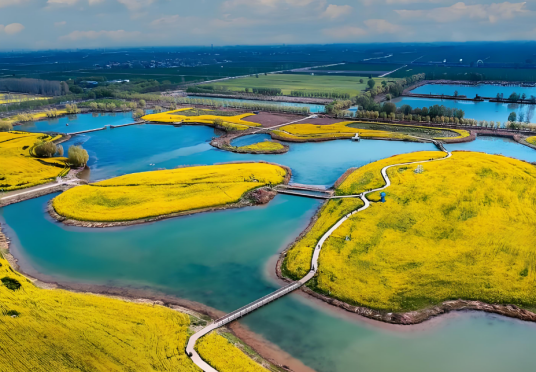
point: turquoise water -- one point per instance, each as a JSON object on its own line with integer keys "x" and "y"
{"x": 135, "y": 148}
{"x": 225, "y": 259}
{"x": 313, "y": 108}
{"x": 77, "y": 123}
{"x": 483, "y": 90}
{"x": 490, "y": 111}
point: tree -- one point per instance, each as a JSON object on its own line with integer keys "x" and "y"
{"x": 59, "y": 150}
{"x": 78, "y": 157}
{"x": 5, "y": 127}
{"x": 218, "y": 122}
{"x": 142, "y": 103}
{"x": 44, "y": 149}
{"x": 388, "y": 108}
{"x": 361, "y": 81}
{"x": 512, "y": 117}
{"x": 93, "y": 106}
{"x": 138, "y": 113}
{"x": 371, "y": 83}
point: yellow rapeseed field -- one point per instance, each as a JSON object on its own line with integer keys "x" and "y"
{"x": 14, "y": 98}
{"x": 229, "y": 122}
{"x": 532, "y": 140}
{"x": 342, "y": 129}
{"x": 464, "y": 228}
{"x": 224, "y": 356}
{"x": 57, "y": 330}
{"x": 265, "y": 146}
{"x": 19, "y": 169}
{"x": 150, "y": 194}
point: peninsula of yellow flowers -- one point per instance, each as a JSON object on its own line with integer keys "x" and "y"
{"x": 45, "y": 330}
{"x": 463, "y": 228}
{"x": 150, "y": 194}
{"x": 19, "y": 169}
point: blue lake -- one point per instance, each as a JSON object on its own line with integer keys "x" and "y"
{"x": 226, "y": 259}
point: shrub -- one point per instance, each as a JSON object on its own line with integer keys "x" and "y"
{"x": 11, "y": 283}
{"x": 218, "y": 122}
{"x": 12, "y": 313}
{"x": 138, "y": 113}
{"x": 45, "y": 149}
{"x": 59, "y": 150}
{"x": 6, "y": 127}
{"x": 77, "y": 156}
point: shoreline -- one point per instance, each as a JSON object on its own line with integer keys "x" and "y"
{"x": 259, "y": 196}
{"x": 404, "y": 318}
{"x": 265, "y": 349}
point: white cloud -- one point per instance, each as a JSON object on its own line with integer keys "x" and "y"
{"x": 11, "y": 29}
{"x": 62, "y": 2}
{"x": 336, "y": 11}
{"x": 135, "y": 5}
{"x": 4, "y": 3}
{"x": 381, "y": 26}
{"x": 93, "y": 2}
{"x": 266, "y": 3}
{"x": 116, "y": 35}
{"x": 485, "y": 12}
{"x": 345, "y": 32}
{"x": 59, "y": 24}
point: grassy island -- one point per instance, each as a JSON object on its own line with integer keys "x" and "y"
{"x": 464, "y": 228}
{"x": 19, "y": 168}
{"x": 57, "y": 330}
{"x": 225, "y": 119}
{"x": 347, "y": 129}
{"x": 150, "y": 194}
{"x": 265, "y": 147}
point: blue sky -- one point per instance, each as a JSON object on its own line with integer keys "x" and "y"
{"x": 56, "y": 24}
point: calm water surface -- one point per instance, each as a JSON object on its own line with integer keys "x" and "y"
{"x": 223, "y": 259}
{"x": 483, "y": 90}
{"x": 77, "y": 123}
{"x": 490, "y": 111}
{"x": 313, "y": 108}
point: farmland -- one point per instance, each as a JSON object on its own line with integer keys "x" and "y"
{"x": 348, "y": 129}
{"x": 432, "y": 242}
{"x": 158, "y": 193}
{"x": 305, "y": 83}
{"x": 19, "y": 169}
{"x": 14, "y": 98}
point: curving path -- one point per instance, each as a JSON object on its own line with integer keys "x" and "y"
{"x": 190, "y": 347}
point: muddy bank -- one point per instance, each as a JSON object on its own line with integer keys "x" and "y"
{"x": 259, "y": 196}
{"x": 270, "y": 353}
{"x": 224, "y": 143}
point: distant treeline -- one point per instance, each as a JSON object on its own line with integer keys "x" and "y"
{"x": 334, "y": 95}
{"x": 34, "y": 86}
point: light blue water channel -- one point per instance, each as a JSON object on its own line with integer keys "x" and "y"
{"x": 313, "y": 108}
{"x": 483, "y": 90}
{"x": 77, "y": 123}
{"x": 224, "y": 259}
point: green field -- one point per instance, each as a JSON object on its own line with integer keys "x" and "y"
{"x": 306, "y": 83}
{"x": 362, "y": 67}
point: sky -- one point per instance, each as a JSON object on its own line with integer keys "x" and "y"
{"x": 59, "y": 24}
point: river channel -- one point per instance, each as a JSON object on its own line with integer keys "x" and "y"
{"x": 226, "y": 259}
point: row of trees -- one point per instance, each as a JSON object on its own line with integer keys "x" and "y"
{"x": 76, "y": 155}
{"x": 398, "y": 115}
{"x": 34, "y": 86}
{"x": 514, "y": 97}
{"x": 307, "y": 94}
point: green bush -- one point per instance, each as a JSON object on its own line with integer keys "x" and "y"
{"x": 5, "y": 127}
{"x": 45, "y": 149}
{"x": 11, "y": 283}
{"x": 77, "y": 156}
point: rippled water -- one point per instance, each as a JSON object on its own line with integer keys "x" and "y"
{"x": 225, "y": 259}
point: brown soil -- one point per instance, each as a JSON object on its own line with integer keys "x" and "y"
{"x": 267, "y": 119}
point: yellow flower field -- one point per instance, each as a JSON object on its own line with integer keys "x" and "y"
{"x": 464, "y": 228}
{"x": 229, "y": 122}
{"x": 265, "y": 146}
{"x": 150, "y": 194}
{"x": 224, "y": 356}
{"x": 344, "y": 129}
{"x": 56, "y": 330}
{"x": 19, "y": 169}
{"x": 14, "y": 98}
{"x": 532, "y": 140}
